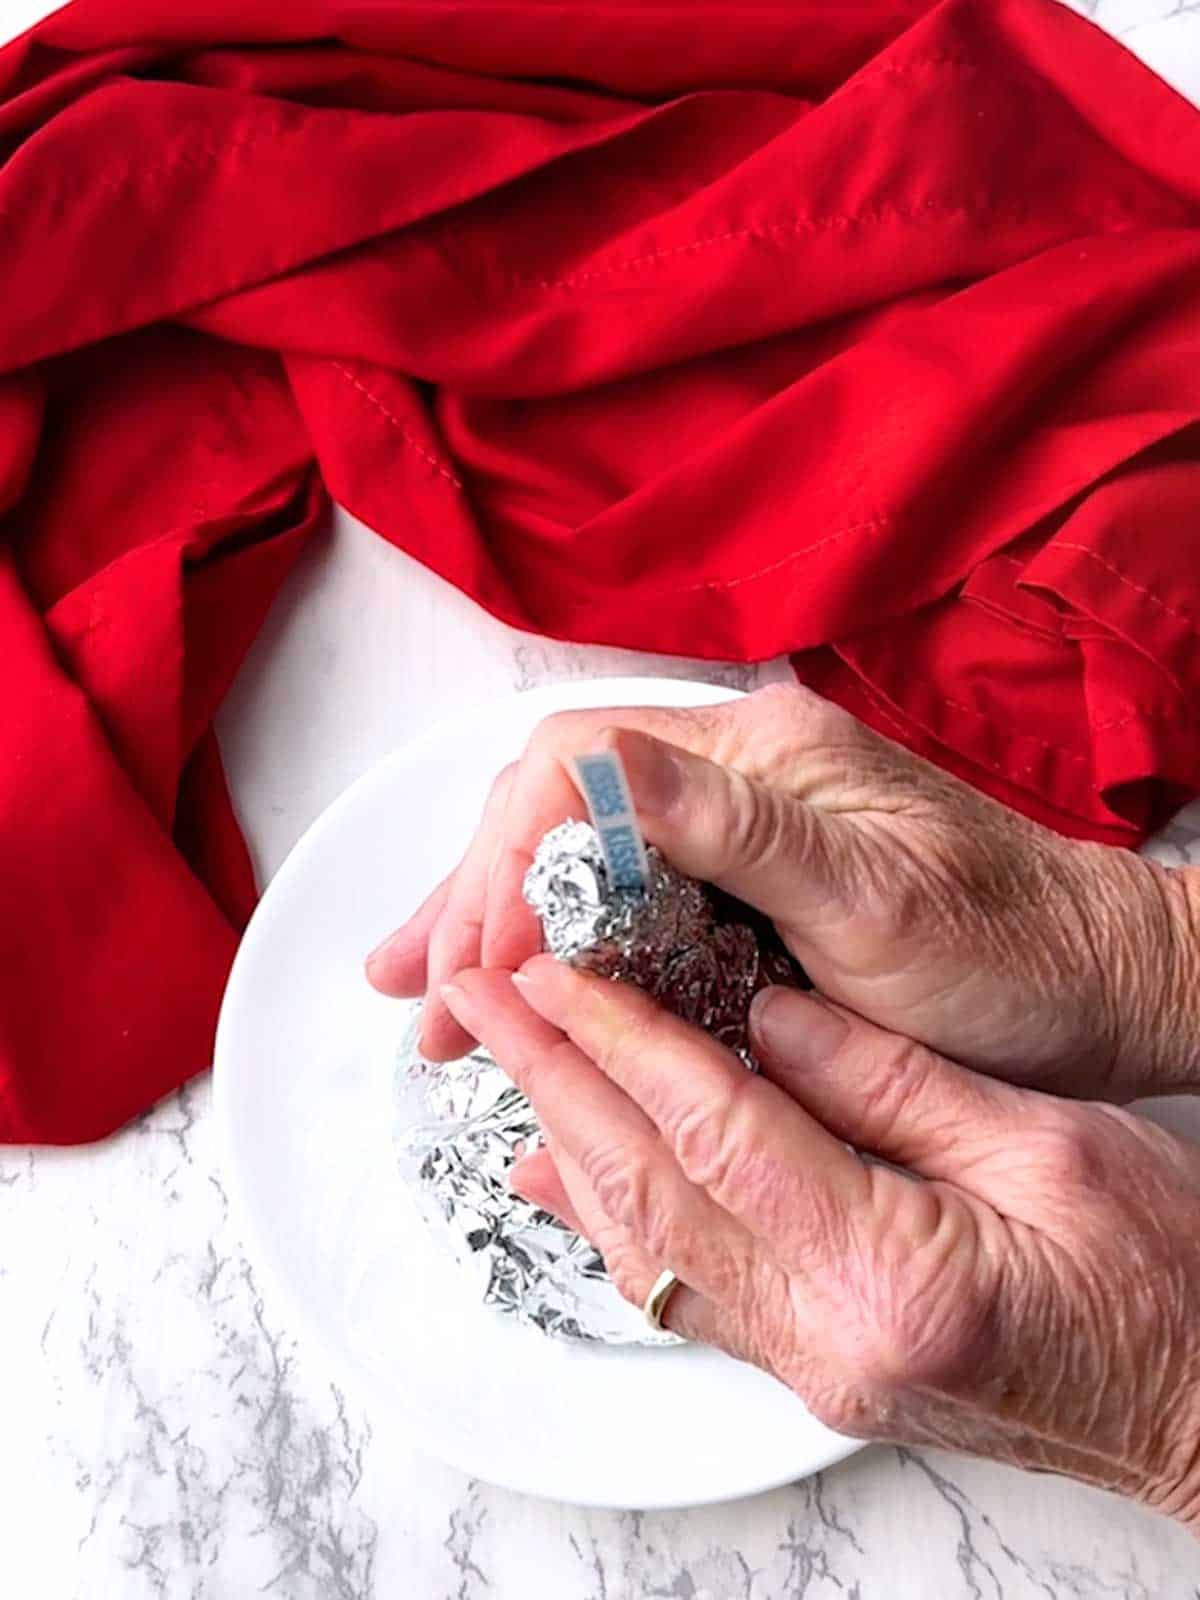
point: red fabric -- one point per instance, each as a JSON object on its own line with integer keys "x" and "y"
{"x": 867, "y": 332}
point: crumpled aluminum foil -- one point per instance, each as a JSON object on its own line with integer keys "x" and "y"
{"x": 461, "y": 1125}
{"x": 700, "y": 953}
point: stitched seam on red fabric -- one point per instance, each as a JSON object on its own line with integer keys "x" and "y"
{"x": 1138, "y": 713}
{"x": 993, "y": 608}
{"x": 1024, "y": 738}
{"x": 905, "y": 69}
{"x": 885, "y": 711}
{"x": 424, "y": 454}
{"x": 185, "y": 161}
{"x": 929, "y": 212}
{"x": 1141, "y": 713}
{"x": 1192, "y": 623}
{"x": 978, "y": 758}
{"x": 201, "y": 155}
{"x": 1029, "y": 771}
{"x": 795, "y": 555}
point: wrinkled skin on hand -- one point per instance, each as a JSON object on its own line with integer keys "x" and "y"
{"x": 909, "y": 897}
{"x": 1031, "y": 1292}
{"x": 1023, "y": 1279}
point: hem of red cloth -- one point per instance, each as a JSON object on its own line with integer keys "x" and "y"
{"x": 833, "y": 677}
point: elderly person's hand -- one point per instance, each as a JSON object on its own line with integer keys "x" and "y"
{"x": 907, "y": 896}
{"x": 1031, "y": 1293}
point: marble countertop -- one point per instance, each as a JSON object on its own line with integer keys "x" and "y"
{"x": 163, "y": 1436}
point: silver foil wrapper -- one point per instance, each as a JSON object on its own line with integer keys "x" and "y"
{"x": 462, "y": 1124}
{"x": 700, "y": 953}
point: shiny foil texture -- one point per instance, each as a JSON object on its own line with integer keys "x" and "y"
{"x": 700, "y": 953}
{"x": 462, "y": 1124}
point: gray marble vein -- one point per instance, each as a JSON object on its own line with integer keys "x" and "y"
{"x": 187, "y": 1446}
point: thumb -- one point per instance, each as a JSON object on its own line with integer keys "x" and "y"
{"x": 893, "y": 1098}
{"x": 712, "y": 822}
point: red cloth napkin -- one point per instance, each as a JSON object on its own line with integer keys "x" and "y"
{"x": 868, "y": 332}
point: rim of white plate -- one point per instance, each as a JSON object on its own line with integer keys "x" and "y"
{"x": 573, "y": 694}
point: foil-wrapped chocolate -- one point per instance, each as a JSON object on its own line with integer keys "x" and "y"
{"x": 700, "y": 953}
{"x": 462, "y": 1124}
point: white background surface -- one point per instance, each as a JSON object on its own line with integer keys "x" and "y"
{"x": 163, "y": 1434}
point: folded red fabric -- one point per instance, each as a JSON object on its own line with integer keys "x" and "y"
{"x": 869, "y": 333}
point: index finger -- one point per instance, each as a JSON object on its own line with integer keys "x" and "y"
{"x": 629, "y": 1177}
{"x": 761, "y": 1157}
{"x": 543, "y": 794}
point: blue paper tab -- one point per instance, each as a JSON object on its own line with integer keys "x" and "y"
{"x": 602, "y": 781}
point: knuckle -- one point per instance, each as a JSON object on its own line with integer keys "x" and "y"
{"x": 927, "y": 1348}
{"x": 713, "y": 1139}
{"x": 795, "y": 711}
{"x": 1071, "y": 1153}
{"x": 869, "y": 1361}
{"x": 859, "y": 1396}
{"x": 895, "y": 1080}
{"x": 787, "y": 702}
{"x": 845, "y": 1392}
{"x": 756, "y": 828}
{"x": 455, "y": 934}
{"x": 925, "y": 1319}
{"x": 845, "y": 1406}
{"x": 857, "y": 1404}
{"x": 626, "y": 1267}
{"x": 554, "y": 732}
{"x": 619, "y": 1176}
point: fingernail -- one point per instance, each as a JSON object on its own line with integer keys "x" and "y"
{"x": 458, "y": 1002}
{"x": 795, "y": 1029}
{"x": 517, "y": 1183}
{"x": 539, "y": 983}
{"x": 655, "y": 776}
{"x": 523, "y": 1180}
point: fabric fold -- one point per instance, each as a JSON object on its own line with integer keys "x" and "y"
{"x": 869, "y": 335}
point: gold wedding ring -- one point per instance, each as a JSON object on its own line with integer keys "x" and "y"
{"x": 656, "y": 1302}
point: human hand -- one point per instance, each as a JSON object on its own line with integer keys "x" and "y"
{"x": 1031, "y": 1293}
{"x": 906, "y": 895}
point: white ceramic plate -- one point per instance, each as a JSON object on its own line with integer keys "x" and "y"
{"x": 303, "y": 1093}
